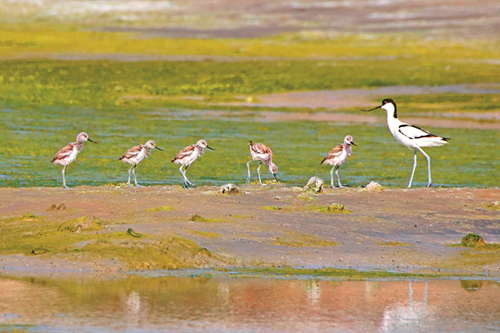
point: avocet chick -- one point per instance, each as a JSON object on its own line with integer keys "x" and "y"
{"x": 135, "y": 155}
{"x": 187, "y": 156}
{"x": 337, "y": 156}
{"x": 68, "y": 154}
{"x": 262, "y": 153}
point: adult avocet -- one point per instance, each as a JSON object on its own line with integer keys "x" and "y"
{"x": 410, "y": 136}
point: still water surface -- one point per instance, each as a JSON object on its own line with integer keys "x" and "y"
{"x": 186, "y": 304}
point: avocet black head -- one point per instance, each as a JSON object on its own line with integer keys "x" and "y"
{"x": 387, "y": 104}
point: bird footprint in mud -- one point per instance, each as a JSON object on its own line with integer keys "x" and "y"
{"x": 54, "y": 207}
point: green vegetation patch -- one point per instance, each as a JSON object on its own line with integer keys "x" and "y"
{"x": 307, "y": 196}
{"x": 490, "y": 248}
{"x": 274, "y": 208}
{"x": 16, "y": 328}
{"x": 394, "y": 243}
{"x": 160, "y": 209}
{"x": 480, "y": 256}
{"x": 40, "y": 237}
{"x": 495, "y": 205}
{"x": 240, "y": 216}
{"x": 84, "y": 223}
{"x": 199, "y": 218}
{"x": 450, "y": 103}
{"x": 104, "y": 84}
{"x": 471, "y": 285}
{"x": 331, "y": 209}
{"x": 294, "y": 239}
{"x": 19, "y": 237}
{"x": 472, "y": 240}
{"x": 350, "y": 274}
{"x": 134, "y": 234}
{"x": 46, "y": 38}
{"x": 28, "y": 217}
{"x": 475, "y": 257}
{"x": 207, "y": 234}
{"x": 334, "y": 208}
{"x": 151, "y": 253}
{"x": 495, "y": 247}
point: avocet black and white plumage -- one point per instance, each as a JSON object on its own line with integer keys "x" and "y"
{"x": 68, "y": 154}
{"x": 337, "y": 156}
{"x": 410, "y": 136}
{"x": 135, "y": 155}
{"x": 263, "y": 154}
{"x": 187, "y": 156}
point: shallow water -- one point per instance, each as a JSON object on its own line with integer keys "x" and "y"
{"x": 30, "y": 139}
{"x": 187, "y": 304}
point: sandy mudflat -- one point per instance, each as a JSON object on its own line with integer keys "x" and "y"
{"x": 403, "y": 230}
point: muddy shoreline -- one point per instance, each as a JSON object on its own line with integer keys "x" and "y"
{"x": 396, "y": 230}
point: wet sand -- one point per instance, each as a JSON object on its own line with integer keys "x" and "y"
{"x": 400, "y": 230}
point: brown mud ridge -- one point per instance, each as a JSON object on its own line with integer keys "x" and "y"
{"x": 344, "y": 98}
{"x": 400, "y": 230}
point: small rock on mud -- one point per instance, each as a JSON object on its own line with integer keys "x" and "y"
{"x": 39, "y": 251}
{"x": 495, "y": 205}
{"x": 132, "y": 233}
{"x": 336, "y": 208}
{"x": 229, "y": 189}
{"x": 373, "y": 186}
{"x": 29, "y": 217}
{"x": 314, "y": 185}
